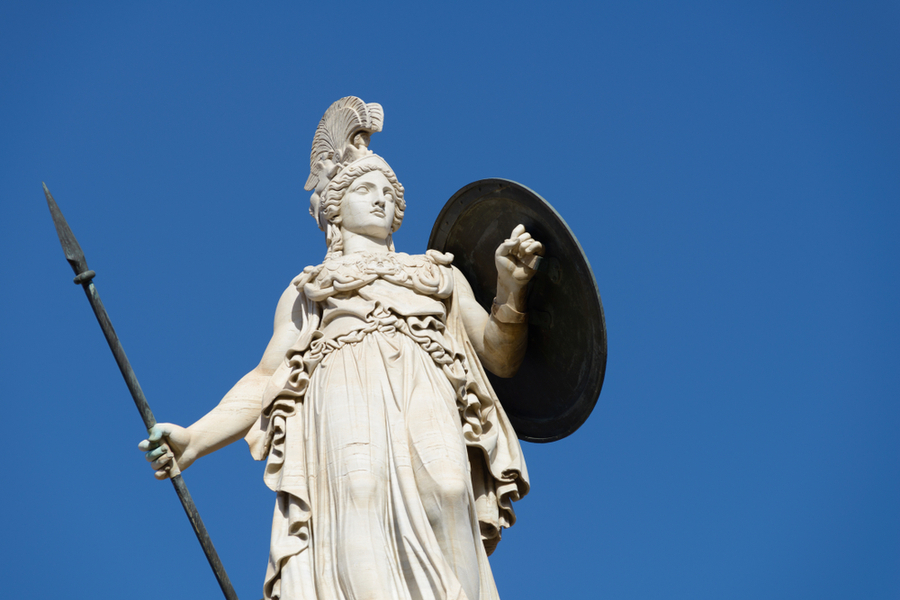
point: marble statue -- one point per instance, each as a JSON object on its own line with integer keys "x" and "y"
{"x": 393, "y": 463}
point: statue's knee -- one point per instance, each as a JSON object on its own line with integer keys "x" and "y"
{"x": 447, "y": 494}
{"x": 363, "y": 487}
{"x": 455, "y": 488}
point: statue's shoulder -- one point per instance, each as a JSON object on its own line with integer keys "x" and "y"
{"x": 431, "y": 271}
{"x": 431, "y": 257}
{"x": 444, "y": 259}
{"x": 308, "y": 274}
{"x": 431, "y": 274}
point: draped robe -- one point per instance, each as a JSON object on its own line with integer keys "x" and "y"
{"x": 381, "y": 375}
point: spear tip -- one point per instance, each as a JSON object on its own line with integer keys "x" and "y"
{"x": 70, "y": 246}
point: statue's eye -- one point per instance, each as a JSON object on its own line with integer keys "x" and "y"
{"x": 362, "y": 189}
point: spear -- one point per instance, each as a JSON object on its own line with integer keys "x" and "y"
{"x": 84, "y": 277}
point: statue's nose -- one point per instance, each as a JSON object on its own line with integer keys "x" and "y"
{"x": 379, "y": 199}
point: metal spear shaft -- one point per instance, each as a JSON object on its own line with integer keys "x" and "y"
{"x": 83, "y": 277}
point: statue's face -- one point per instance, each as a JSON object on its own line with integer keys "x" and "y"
{"x": 367, "y": 207}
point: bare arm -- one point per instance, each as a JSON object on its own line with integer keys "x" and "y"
{"x": 500, "y": 338}
{"x": 232, "y": 418}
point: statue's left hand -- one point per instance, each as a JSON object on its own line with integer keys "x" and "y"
{"x": 514, "y": 257}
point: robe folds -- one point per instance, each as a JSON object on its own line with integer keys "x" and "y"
{"x": 394, "y": 464}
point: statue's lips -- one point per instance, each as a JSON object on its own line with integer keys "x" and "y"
{"x": 378, "y": 212}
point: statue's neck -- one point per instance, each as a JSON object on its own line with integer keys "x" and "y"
{"x": 357, "y": 242}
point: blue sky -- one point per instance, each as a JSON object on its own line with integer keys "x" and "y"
{"x": 732, "y": 171}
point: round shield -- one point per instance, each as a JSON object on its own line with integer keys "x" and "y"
{"x": 558, "y": 384}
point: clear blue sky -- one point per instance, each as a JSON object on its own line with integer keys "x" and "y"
{"x": 731, "y": 169}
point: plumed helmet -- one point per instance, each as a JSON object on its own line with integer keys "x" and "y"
{"x": 341, "y": 139}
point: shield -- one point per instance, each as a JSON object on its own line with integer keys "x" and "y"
{"x": 559, "y": 382}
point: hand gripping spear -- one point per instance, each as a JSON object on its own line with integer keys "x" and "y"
{"x": 83, "y": 277}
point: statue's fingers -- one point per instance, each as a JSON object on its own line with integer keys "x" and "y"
{"x": 158, "y": 432}
{"x": 517, "y": 231}
{"x": 525, "y": 250}
{"x": 161, "y": 475}
{"x": 533, "y": 247}
{"x": 507, "y": 247}
{"x": 528, "y": 255}
{"x": 155, "y": 453}
{"x": 162, "y": 461}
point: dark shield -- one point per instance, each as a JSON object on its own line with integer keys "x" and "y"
{"x": 558, "y": 384}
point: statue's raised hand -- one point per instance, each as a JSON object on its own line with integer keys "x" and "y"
{"x": 165, "y": 449}
{"x": 515, "y": 259}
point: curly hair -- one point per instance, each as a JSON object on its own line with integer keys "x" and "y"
{"x": 334, "y": 192}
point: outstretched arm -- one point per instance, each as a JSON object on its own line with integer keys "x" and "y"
{"x": 500, "y": 338}
{"x": 236, "y": 412}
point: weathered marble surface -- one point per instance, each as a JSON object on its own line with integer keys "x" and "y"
{"x": 393, "y": 463}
